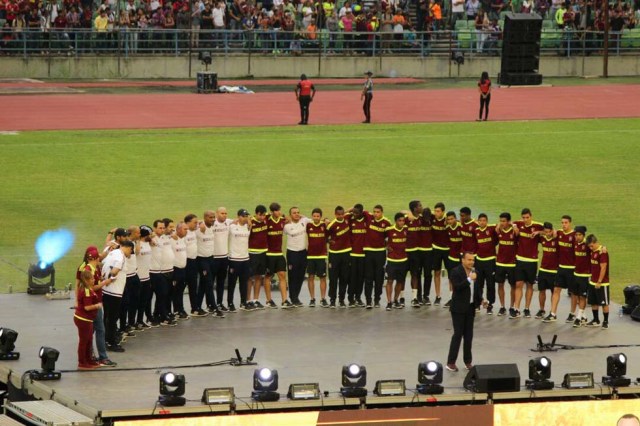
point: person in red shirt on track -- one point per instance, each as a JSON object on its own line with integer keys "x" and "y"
{"x": 484, "y": 87}
{"x": 305, "y": 91}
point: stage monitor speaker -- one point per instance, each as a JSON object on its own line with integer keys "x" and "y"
{"x": 632, "y": 295}
{"x": 207, "y": 82}
{"x": 520, "y": 79}
{"x": 490, "y": 378}
{"x": 520, "y": 65}
{"x": 635, "y": 315}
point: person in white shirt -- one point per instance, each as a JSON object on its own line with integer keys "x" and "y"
{"x": 457, "y": 11}
{"x": 167, "y": 263}
{"x": 239, "y": 265}
{"x": 205, "y": 244}
{"x": 220, "y": 265}
{"x": 179, "y": 247}
{"x": 143, "y": 259}
{"x": 131, "y": 295}
{"x": 113, "y": 267}
{"x": 157, "y": 273}
{"x": 219, "y": 20}
{"x": 296, "y": 232}
{"x": 191, "y": 270}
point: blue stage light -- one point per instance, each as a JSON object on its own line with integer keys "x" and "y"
{"x": 52, "y": 245}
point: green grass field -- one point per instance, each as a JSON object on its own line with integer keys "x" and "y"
{"x": 91, "y": 181}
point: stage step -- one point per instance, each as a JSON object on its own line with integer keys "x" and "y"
{"x": 47, "y": 413}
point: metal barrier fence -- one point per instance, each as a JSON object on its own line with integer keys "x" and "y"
{"x": 470, "y": 42}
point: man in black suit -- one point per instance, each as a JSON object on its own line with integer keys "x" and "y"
{"x": 463, "y": 310}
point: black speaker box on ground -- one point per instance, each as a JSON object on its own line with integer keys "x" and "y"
{"x": 490, "y": 378}
{"x": 521, "y": 50}
{"x": 520, "y": 79}
{"x": 631, "y": 297}
{"x": 207, "y": 82}
{"x": 635, "y": 315}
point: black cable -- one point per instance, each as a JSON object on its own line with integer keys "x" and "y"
{"x": 210, "y": 364}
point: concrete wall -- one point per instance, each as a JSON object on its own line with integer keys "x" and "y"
{"x": 259, "y": 66}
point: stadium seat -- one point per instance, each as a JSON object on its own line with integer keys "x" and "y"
{"x": 464, "y": 39}
{"x": 548, "y": 23}
{"x": 550, "y": 38}
{"x": 461, "y": 24}
{"x": 502, "y": 15}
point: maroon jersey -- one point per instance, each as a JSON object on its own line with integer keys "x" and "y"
{"x": 507, "y": 247}
{"x": 467, "y": 230}
{"x": 528, "y": 241}
{"x": 275, "y": 231}
{"x": 583, "y": 260}
{"x": 358, "y": 235}
{"x": 97, "y": 276}
{"x": 439, "y": 233}
{"x": 339, "y": 235}
{"x": 567, "y": 258}
{"x": 455, "y": 241}
{"x": 549, "y": 262}
{"x": 419, "y": 234}
{"x": 598, "y": 257}
{"x": 486, "y": 240}
{"x": 317, "y": 237}
{"x": 258, "y": 236}
{"x": 396, "y": 244}
{"x": 375, "y": 236}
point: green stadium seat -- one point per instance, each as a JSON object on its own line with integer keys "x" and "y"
{"x": 548, "y": 23}
{"x": 461, "y": 24}
{"x": 464, "y": 39}
{"x": 550, "y": 38}
{"x": 502, "y": 15}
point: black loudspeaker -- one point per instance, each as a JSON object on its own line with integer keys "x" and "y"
{"x": 207, "y": 82}
{"x": 521, "y": 50}
{"x": 492, "y": 378}
{"x": 635, "y": 315}
{"x": 631, "y": 298}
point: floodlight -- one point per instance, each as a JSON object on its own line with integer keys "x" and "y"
{"x": 354, "y": 380}
{"x": 7, "y": 340}
{"x": 578, "y": 381}
{"x": 390, "y": 388}
{"x": 212, "y": 396}
{"x": 616, "y": 369}
{"x": 48, "y": 357}
{"x": 539, "y": 374}
{"x": 38, "y": 273}
{"x": 172, "y": 387}
{"x": 205, "y": 57}
{"x": 430, "y": 378}
{"x": 302, "y": 391}
{"x": 265, "y": 385}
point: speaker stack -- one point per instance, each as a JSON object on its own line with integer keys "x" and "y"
{"x": 521, "y": 50}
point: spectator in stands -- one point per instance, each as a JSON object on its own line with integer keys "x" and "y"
{"x": 100, "y": 24}
{"x": 386, "y": 30}
{"x": 73, "y": 22}
{"x": 457, "y": 11}
{"x": 497, "y": 6}
{"x": 559, "y": 15}
{"x": 347, "y": 25}
{"x": 482, "y": 27}
{"x": 527, "y": 6}
{"x": 616, "y": 24}
{"x": 288, "y": 29}
{"x": 183, "y": 23}
{"x": 235, "y": 18}
{"x": 308, "y": 12}
{"x": 169, "y": 27}
{"x": 332, "y": 26}
{"x": 541, "y": 7}
{"x": 435, "y": 11}
{"x": 361, "y": 33}
{"x": 219, "y": 18}
{"x": 344, "y": 9}
{"x": 471, "y": 8}
{"x": 399, "y": 23}
{"x": 196, "y": 22}
{"x": 206, "y": 24}
{"x": 311, "y": 35}
{"x": 493, "y": 35}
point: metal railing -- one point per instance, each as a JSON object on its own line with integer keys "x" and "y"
{"x": 131, "y": 42}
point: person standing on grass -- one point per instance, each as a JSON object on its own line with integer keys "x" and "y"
{"x": 484, "y": 87}
{"x": 367, "y": 96}
{"x": 305, "y": 91}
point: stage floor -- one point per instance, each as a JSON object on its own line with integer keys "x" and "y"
{"x": 304, "y": 345}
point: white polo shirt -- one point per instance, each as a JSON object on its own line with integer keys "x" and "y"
{"x": 179, "y": 248}
{"x": 166, "y": 263}
{"x": 155, "y": 266}
{"x": 192, "y": 244}
{"x": 221, "y": 238}
{"x": 239, "y": 242}
{"x": 144, "y": 261}
{"x": 114, "y": 260}
{"x": 205, "y": 241}
{"x": 131, "y": 268}
{"x": 296, "y": 234}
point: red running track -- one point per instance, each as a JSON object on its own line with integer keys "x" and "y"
{"x": 108, "y": 111}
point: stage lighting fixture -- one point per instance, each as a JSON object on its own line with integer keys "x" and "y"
{"x": 578, "y": 381}
{"x": 7, "y": 340}
{"x": 172, "y": 387}
{"x": 205, "y": 57}
{"x": 354, "y": 380}
{"x": 616, "y": 369}
{"x": 390, "y": 388}
{"x": 38, "y": 273}
{"x": 265, "y": 385}
{"x": 48, "y": 357}
{"x": 430, "y": 378}
{"x": 539, "y": 374}
{"x": 212, "y": 396}
{"x": 302, "y": 391}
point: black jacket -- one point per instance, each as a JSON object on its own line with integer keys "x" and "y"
{"x": 461, "y": 298}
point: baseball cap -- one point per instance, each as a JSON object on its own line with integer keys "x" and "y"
{"x": 145, "y": 230}
{"x": 121, "y": 232}
{"x": 243, "y": 212}
{"x": 581, "y": 229}
{"x": 368, "y": 73}
{"x": 92, "y": 252}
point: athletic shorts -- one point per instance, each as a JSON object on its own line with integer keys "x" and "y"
{"x": 276, "y": 264}
{"x": 546, "y": 280}
{"x": 440, "y": 259}
{"x": 415, "y": 263}
{"x": 317, "y": 267}
{"x": 581, "y": 286}
{"x": 598, "y": 296}
{"x": 526, "y": 271}
{"x": 258, "y": 263}
{"x": 397, "y": 271}
{"x": 450, "y": 263}
{"x": 564, "y": 279}
{"x": 506, "y": 273}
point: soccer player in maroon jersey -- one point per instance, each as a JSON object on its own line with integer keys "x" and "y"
{"x": 506, "y": 261}
{"x": 485, "y": 265}
{"x": 258, "y": 259}
{"x": 276, "y": 263}
{"x": 599, "y": 282}
{"x": 317, "y": 257}
{"x": 566, "y": 267}
{"x": 526, "y": 260}
{"x": 467, "y": 228}
{"x": 396, "y": 260}
{"x": 455, "y": 245}
{"x": 374, "y": 256}
{"x": 548, "y": 269}
{"x": 440, "y": 247}
{"x": 581, "y": 273}
{"x": 420, "y": 252}
{"x": 358, "y": 223}
{"x": 339, "y": 236}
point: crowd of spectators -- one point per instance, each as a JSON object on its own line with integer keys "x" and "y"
{"x": 277, "y": 26}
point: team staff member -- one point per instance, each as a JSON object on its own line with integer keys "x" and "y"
{"x": 339, "y": 237}
{"x": 239, "y": 264}
{"x": 179, "y": 247}
{"x": 144, "y": 265}
{"x": 305, "y": 92}
{"x": 440, "y": 247}
{"x": 486, "y": 240}
{"x": 599, "y": 282}
{"x": 396, "y": 260}
{"x": 463, "y": 311}
{"x": 296, "y": 232}
{"x": 191, "y": 270}
{"x": 526, "y": 260}
{"x": 276, "y": 262}
{"x": 220, "y": 264}
{"x": 484, "y": 87}
{"x": 506, "y": 261}
{"x": 367, "y": 96}
{"x": 581, "y": 274}
{"x": 87, "y": 306}
{"x": 131, "y": 295}
{"x": 113, "y": 267}
{"x": 159, "y": 283}
{"x": 317, "y": 257}
{"x": 205, "y": 240}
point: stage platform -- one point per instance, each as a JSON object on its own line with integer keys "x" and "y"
{"x": 304, "y": 345}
